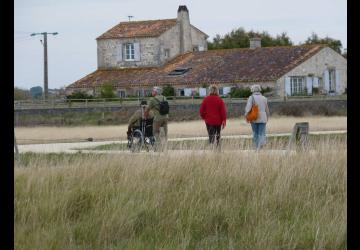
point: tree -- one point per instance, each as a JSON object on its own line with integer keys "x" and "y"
{"x": 345, "y": 53}
{"x": 21, "y": 94}
{"x": 332, "y": 43}
{"x": 107, "y": 90}
{"x": 240, "y": 38}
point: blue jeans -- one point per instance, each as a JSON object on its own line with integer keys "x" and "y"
{"x": 259, "y": 138}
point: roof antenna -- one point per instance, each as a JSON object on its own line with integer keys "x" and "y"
{"x": 130, "y": 17}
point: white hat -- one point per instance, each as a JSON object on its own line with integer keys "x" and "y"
{"x": 255, "y": 88}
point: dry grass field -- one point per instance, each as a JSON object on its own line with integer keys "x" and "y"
{"x": 277, "y": 124}
{"x": 210, "y": 201}
{"x": 228, "y": 199}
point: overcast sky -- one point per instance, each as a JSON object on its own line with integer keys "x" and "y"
{"x": 72, "y": 53}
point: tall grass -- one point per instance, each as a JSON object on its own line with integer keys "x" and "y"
{"x": 215, "y": 200}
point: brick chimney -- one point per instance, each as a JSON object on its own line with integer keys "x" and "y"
{"x": 255, "y": 42}
{"x": 185, "y": 29}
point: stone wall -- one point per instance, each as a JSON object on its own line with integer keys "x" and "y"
{"x": 109, "y": 50}
{"x": 121, "y": 115}
{"x": 198, "y": 38}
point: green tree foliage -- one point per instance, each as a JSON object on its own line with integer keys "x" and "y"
{"x": 168, "y": 91}
{"x": 21, "y": 94}
{"x": 240, "y": 38}
{"x": 345, "y": 53}
{"x": 332, "y": 43}
{"x": 107, "y": 91}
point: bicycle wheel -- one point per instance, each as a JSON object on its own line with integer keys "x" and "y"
{"x": 137, "y": 141}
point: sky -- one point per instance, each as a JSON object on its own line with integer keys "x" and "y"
{"x": 72, "y": 53}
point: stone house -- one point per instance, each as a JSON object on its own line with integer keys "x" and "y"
{"x": 134, "y": 56}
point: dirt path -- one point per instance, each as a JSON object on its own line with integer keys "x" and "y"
{"x": 32, "y": 135}
{"x": 79, "y": 146}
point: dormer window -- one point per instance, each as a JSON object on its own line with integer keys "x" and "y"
{"x": 179, "y": 71}
{"x": 129, "y": 52}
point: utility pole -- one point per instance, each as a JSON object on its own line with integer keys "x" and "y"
{"x": 130, "y": 17}
{"x": 46, "y": 90}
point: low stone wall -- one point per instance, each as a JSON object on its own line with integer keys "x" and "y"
{"x": 182, "y": 112}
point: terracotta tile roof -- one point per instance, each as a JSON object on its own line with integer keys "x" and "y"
{"x": 214, "y": 66}
{"x": 151, "y": 28}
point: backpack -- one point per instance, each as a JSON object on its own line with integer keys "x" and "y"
{"x": 164, "y": 106}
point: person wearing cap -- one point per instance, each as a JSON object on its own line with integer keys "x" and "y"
{"x": 258, "y": 126}
{"x": 160, "y": 121}
{"x": 213, "y": 112}
{"x": 141, "y": 114}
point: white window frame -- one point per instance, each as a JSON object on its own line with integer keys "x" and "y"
{"x": 297, "y": 85}
{"x": 129, "y": 52}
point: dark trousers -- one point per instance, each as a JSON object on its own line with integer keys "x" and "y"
{"x": 214, "y": 133}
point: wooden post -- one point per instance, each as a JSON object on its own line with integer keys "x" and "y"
{"x": 16, "y": 148}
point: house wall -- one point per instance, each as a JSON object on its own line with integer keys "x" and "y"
{"x": 170, "y": 40}
{"x": 316, "y": 65}
{"x": 198, "y": 38}
{"x": 109, "y": 53}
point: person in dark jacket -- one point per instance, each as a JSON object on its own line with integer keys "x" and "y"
{"x": 213, "y": 112}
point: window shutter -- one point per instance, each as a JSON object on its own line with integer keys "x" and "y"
{"x": 123, "y": 46}
{"x": 287, "y": 86}
{"x": 309, "y": 85}
{"x": 137, "y": 51}
{"x": 326, "y": 80}
{"x": 187, "y": 92}
{"x": 226, "y": 90}
{"x": 202, "y": 91}
{"x": 119, "y": 53}
{"x": 337, "y": 82}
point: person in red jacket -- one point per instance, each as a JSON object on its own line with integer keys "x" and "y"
{"x": 213, "y": 112}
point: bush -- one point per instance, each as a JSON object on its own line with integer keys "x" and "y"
{"x": 168, "y": 91}
{"x": 315, "y": 91}
{"x": 107, "y": 91}
{"x": 79, "y": 95}
{"x": 237, "y": 92}
{"x": 266, "y": 90}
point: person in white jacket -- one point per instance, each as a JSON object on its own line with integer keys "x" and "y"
{"x": 258, "y": 126}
